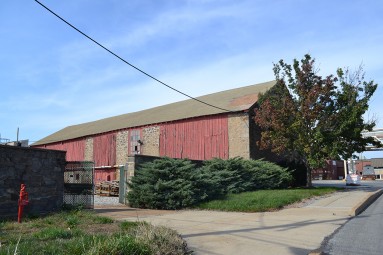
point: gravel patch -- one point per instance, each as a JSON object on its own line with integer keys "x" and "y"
{"x": 104, "y": 200}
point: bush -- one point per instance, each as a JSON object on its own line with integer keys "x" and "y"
{"x": 160, "y": 240}
{"x": 237, "y": 175}
{"x": 176, "y": 183}
{"x": 117, "y": 244}
{"x": 227, "y": 176}
{"x": 298, "y": 172}
{"x": 166, "y": 184}
{"x": 267, "y": 175}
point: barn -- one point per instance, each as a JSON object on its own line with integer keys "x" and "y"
{"x": 185, "y": 129}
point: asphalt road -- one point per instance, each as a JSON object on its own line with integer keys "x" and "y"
{"x": 370, "y": 185}
{"x": 362, "y": 235}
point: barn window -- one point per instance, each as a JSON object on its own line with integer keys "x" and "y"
{"x": 134, "y": 141}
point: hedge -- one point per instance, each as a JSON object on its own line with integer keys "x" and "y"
{"x": 177, "y": 183}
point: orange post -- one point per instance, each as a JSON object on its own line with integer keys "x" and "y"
{"x": 23, "y": 201}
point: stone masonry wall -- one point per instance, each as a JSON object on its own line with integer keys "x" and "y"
{"x": 122, "y": 150}
{"x": 42, "y": 171}
{"x": 151, "y": 140}
{"x": 238, "y": 129}
{"x": 88, "y": 149}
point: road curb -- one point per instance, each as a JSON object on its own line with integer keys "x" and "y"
{"x": 356, "y": 210}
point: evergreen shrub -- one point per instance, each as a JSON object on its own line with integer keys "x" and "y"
{"x": 177, "y": 183}
{"x": 166, "y": 184}
{"x": 238, "y": 175}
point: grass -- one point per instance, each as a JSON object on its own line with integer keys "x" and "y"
{"x": 264, "y": 200}
{"x": 83, "y": 232}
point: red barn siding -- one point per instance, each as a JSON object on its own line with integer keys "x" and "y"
{"x": 104, "y": 149}
{"x": 202, "y": 138}
{"x": 102, "y": 174}
{"x": 75, "y": 149}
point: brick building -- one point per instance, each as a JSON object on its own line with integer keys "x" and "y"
{"x": 332, "y": 170}
{"x": 185, "y": 129}
{"x": 375, "y": 163}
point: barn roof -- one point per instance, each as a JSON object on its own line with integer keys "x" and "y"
{"x": 234, "y": 100}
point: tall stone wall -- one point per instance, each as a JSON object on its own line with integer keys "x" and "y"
{"x": 42, "y": 171}
{"x": 88, "y": 155}
{"x": 151, "y": 140}
{"x": 122, "y": 149}
{"x": 238, "y": 128}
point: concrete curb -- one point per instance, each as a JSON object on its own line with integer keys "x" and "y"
{"x": 356, "y": 210}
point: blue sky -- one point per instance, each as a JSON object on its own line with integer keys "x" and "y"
{"x": 53, "y": 77}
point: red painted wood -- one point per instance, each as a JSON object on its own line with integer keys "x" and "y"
{"x": 104, "y": 149}
{"x": 106, "y": 174}
{"x": 75, "y": 149}
{"x": 201, "y": 138}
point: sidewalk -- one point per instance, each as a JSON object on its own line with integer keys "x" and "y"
{"x": 288, "y": 231}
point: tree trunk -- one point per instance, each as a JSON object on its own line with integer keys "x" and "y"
{"x": 309, "y": 183}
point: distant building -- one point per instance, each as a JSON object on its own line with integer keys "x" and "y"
{"x": 21, "y": 143}
{"x": 333, "y": 170}
{"x": 377, "y": 163}
{"x": 364, "y": 167}
{"x": 361, "y": 164}
{"x": 3, "y": 141}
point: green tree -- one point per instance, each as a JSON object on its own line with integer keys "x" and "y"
{"x": 309, "y": 119}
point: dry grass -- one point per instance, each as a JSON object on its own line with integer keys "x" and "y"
{"x": 160, "y": 239}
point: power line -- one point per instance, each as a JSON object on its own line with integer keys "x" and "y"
{"x": 126, "y": 62}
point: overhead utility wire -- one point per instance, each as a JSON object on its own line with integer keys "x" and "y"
{"x": 126, "y": 62}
